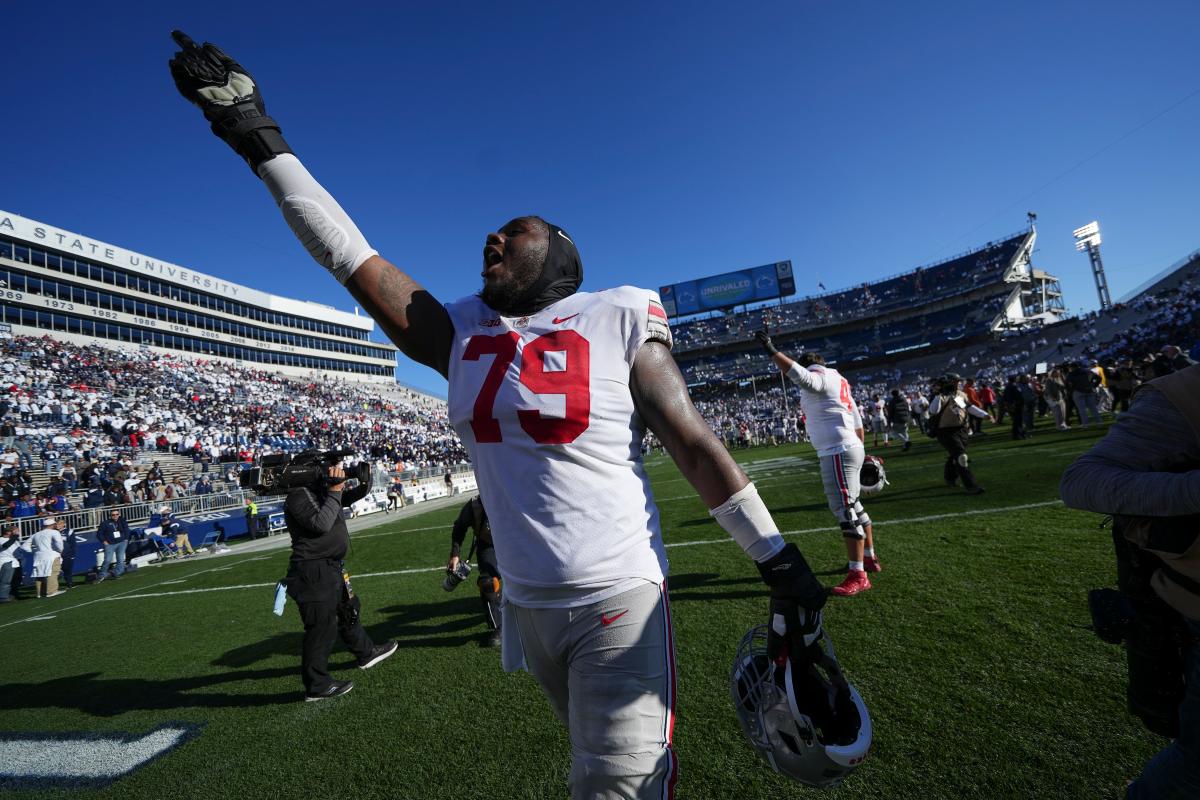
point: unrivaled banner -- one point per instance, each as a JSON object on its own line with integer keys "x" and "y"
{"x": 767, "y": 282}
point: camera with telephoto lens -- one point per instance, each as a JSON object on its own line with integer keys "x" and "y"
{"x": 456, "y": 576}
{"x": 279, "y": 473}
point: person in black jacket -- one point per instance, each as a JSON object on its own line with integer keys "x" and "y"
{"x": 316, "y": 580}
{"x": 70, "y": 544}
{"x": 899, "y": 412}
{"x": 473, "y": 515}
{"x": 1015, "y": 406}
{"x": 114, "y": 534}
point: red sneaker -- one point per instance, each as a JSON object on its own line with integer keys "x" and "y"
{"x": 871, "y": 564}
{"x": 856, "y": 581}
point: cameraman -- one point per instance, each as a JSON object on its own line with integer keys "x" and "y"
{"x": 474, "y": 516}
{"x": 320, "y": 587}
{"x": 1146, "y": 472}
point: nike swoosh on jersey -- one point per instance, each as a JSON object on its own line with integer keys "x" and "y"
{"x": 606, "y": 619}
{"x": 560, "y": 320}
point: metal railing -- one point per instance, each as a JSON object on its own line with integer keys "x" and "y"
{"x": 136, "y": 514}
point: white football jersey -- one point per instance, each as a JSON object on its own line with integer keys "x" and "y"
{"x": 832, "y": 416}
{"x": 543, "y": 405}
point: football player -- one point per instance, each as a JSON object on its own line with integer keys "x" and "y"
{"x": 550, "y": 390}
{"x": 835, "y": 429}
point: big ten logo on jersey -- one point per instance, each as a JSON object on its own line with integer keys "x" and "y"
{"x": 555, "y": 363}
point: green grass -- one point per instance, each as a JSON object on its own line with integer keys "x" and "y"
{"x": 973, "y": 653}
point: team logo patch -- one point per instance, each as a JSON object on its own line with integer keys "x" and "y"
{"x": 523, "y": 322}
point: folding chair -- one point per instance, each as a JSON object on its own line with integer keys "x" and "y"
{"x": 166, "y": 548}
{"x": 210, "y": 540}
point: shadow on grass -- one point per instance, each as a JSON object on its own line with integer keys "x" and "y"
{"x": 108, "y": 697}
{"x": 428, "y": 624}
{"x": 709, "y": 586}
{"x": 279, "y": 644}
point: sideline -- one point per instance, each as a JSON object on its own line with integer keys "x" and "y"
{"x": 724, "y": 540}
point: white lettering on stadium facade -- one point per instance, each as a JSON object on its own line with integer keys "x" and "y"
{"x": 41, "y": 236}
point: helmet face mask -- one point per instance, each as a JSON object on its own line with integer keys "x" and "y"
{"x": 807, "y": 722}
{"x": 871, "y": 476}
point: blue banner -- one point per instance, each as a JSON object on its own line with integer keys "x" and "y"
{"x": 752, "y": 285}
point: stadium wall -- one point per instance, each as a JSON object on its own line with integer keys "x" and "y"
{"x": 54, "y": 282}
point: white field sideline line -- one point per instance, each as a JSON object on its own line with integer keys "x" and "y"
{"x": 415, "y": 570}
{"x": 113, "y": 597}
{"x": 355, "y": 536}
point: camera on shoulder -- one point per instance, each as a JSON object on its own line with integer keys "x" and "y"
{"x": 279, "y": 473}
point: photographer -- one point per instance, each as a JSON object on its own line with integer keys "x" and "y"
{"x": 474, "y": 516}
{"x": 948, "y": 422}
{"x": 320, "y": 587}
{"x": 1146, "y": 472}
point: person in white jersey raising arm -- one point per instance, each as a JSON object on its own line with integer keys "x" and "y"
{"x": 836, "y": 431}
{"x": 551, "y": 390}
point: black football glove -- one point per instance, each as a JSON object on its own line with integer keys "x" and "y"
{"x": 229, "y": 98}
{"x": 797, "y": 598}
{"x": 766, "y": 342}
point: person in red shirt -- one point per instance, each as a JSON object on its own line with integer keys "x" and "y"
{"x": 974, "y": 399}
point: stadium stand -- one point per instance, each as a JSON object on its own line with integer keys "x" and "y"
{"x": 973, "y": 296}
{"x": 741, "y": 394}
{"x": 127, "y": 411}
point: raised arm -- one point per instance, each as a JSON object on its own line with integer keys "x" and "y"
{"x": 231, "y": 101}
{"x": 787, "y": 366}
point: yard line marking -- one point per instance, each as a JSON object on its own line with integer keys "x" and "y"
{"x": 77, "y": 760}
{"x": 879, "y": 522}
{"x": 182, "y": 580}
{"x": 102, "y": 599}
{"x": 759, "y": 482}
{"x": 43, "y": 617}
{"x": 416, "y": 570}
{"x": 406, "y": 530}
{"x": 187, "y": 591}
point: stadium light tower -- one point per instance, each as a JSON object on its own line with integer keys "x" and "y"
{"x": 1087, "y": 239}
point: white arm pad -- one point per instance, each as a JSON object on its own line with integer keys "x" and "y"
{"x": 804, "y": 378}
{"x": 325, "y": 230}
{"x": 744, "y": 516}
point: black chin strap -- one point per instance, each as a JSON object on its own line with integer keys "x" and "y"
{"x": 561, "y": 275}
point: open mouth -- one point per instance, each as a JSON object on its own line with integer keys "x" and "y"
{"x": 492, "y": 257}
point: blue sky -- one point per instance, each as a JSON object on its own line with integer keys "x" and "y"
{"x": 671, "y": 140}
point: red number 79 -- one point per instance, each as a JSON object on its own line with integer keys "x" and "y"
{"x": 572, "y": 382}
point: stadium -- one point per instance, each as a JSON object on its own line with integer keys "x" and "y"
{"x": 185, "y": 412}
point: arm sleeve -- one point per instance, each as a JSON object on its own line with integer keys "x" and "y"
{"x": 855, "y": 414}
{"x": 976, "y": 411}
{"x": 459, "y": 534}
{"x": 315, "y": 518}
{"x": 1134, "y": 469}
{"x": 805, "y": 379}
{"x": 354, "y": 495}
{"x": 935, "y": 406}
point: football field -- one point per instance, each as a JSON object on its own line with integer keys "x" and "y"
{"x": 973, "y": 652}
